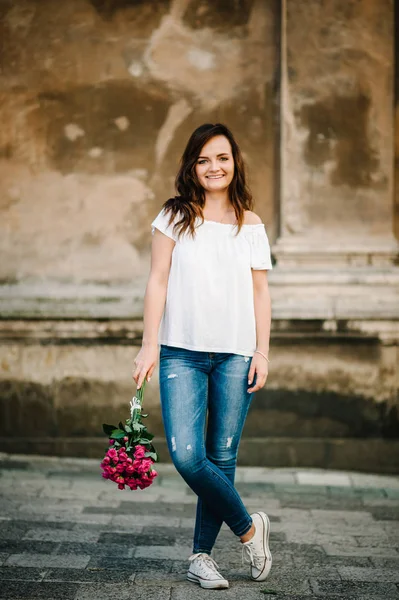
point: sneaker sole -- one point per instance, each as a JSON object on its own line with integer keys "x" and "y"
{"x": 209, "y": 585}
{"x": 268, "y": 564}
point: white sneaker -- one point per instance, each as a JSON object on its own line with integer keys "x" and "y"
{"x": 204, "y": 570}
{"x": 256, "y": 550}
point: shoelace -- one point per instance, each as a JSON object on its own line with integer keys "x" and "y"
{"x": 208, "y": 560}
{"x": 248, "y": 555}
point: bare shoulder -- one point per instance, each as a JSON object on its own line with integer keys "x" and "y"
{"x": 251, "y": 218}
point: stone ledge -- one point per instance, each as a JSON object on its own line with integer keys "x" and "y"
{"x": 297, "y": 293}
{"x": 129, "y": 331}
{"x": 368, "y": 455}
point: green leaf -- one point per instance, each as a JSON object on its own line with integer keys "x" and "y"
{"x": 128, "y": 429}
{"x": 151, "y": 455}
{"x": 147, "y": 435}
{"x": 144, "y": 442}
{"x": 138, "y": 427}
{"x": 108, "y": 429}
{"x": 267, "y": 591}
{"x": 144, "y": 415}
{"x": 117, "y": 434}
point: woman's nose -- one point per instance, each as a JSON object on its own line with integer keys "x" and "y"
{"x": 214, "y": 167}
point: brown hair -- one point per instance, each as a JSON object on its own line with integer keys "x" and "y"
{"x": 191, "y": 196}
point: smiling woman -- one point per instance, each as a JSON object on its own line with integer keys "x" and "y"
{"x": 208, "y": 306}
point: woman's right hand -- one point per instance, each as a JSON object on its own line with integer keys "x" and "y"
{"x": 144, "y": 363}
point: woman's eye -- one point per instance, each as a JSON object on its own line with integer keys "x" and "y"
{"x": 202, "y": 161}
{"x": 224, "y": 158}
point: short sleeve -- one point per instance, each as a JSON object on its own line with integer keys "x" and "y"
{"x": 161, "y": 222}
{"x": 260, "y": 248}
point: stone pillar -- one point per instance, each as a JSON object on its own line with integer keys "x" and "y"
{"x": 337, "y": 143}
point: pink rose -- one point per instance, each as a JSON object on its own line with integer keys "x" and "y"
{"x": 126, "y": 439}
{"x": 146, "y": 464}
{"x": 139, "y": 451}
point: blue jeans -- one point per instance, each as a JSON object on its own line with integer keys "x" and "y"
{"x": 192, "y": 383}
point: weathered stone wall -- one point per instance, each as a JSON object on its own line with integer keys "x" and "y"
{"x": 337, "y": 118}
{"x": 98, "y": 99}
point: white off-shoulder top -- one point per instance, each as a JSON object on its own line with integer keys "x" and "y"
{"x": 210, "y": 304}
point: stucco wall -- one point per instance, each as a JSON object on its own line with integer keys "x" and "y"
{"x": 98, "y": 99}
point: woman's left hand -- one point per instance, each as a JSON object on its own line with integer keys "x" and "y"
{"x": 260, "y": 366}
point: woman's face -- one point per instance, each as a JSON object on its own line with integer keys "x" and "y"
{"x": 215, "y": 164}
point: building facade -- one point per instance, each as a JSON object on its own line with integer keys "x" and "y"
{"x": 98, "y": 98}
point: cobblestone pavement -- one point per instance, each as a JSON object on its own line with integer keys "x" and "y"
{"x": 67, "y": 533}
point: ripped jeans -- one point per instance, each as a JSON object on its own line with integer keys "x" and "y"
{"x": 192, "y": 382}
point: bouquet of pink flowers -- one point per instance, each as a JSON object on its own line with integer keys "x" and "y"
{"x": 129, "y": 458}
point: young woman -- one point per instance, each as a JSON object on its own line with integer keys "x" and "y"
{"x": 208, "y": 306}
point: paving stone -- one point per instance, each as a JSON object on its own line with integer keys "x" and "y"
{"x": 266, "y": 475}
{"x": 377, "y": 541}
{"x": 124, "y": 591}
{"x": 313, "y": 502}
{"x": 23, "y": 573}
{"x": 354, "y": 516}
{"x": 133, "y": 498}
{"x": 303, "y": 550}
{"x": 385, "y": 590}
{"x": 368, "y": 530}
{"x": 385, "y": 513}
{"x": 380, "y": 502}
{"x": 387, "y": 563}
{"x": 61, "y": 535}
{"x": 132, "y": 564}
{"x": 88, "y": 575}
{"x": 28, "y": 590}
{"x": 80, "y": 518}
{"x": 162, "y": 552}
{"x": 320, "y": 539}
{"x": 331, "y": 562}
{"x": 163, "y": 509}
{"x": 323, "y": 537}
{"x": 132, "y": 521}
{"x": 3, "y": 557}
{"x": 343, "y": 550}
{"x": 327, "y": 478}
{"x": 364, "y": 480}
{"x": 393, "y": 494}
{"x": 24, "y": 526}
{"x": 19, "y": 546}
{"x": 369, "y": 575}
{"x": 141, "y": 539}
{"x": 95, "y": 549}
{"x": 47, "y": 560}
{"x": 150, "y": 578}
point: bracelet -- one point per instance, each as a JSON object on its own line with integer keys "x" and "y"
{"x": 264, "y": 355}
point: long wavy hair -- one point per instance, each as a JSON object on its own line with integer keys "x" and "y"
{"x": 190, "y": 199}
